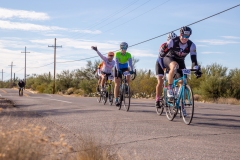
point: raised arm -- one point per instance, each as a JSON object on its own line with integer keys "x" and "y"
{"x": 100, "y": 54}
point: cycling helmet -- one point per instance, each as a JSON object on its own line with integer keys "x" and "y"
{"x": 110, "y": 53}
{"x": 21, "y": 81}
{"x": 171, "y": 35}
{"x": 186, "y": 30}
{"x": 124, "y": 45}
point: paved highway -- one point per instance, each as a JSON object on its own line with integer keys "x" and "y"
{"x": 139, "y": 133}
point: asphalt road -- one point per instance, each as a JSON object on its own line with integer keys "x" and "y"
{"x": 140, "y": 133}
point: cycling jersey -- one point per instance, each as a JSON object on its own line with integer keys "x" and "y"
{"x": 107, "y": 65}
{"x": 123, "y": 61}
{"x": 179, "y": 51}
{"x": 100, "y": 65}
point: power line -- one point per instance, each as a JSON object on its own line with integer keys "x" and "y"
{"x": 108, "y": 17}
{"x": 125, "y": 14}
{"x": 43, "y": 65}
{"x": 153, "y": 37}
{"x": 134, "y": 18}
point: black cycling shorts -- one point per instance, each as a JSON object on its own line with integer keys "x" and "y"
{"x": 119, "y": 75}
{"x": 158, "y": 69}
{"x": 181, "y": 64}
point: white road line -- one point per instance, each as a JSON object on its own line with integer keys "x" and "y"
{"x": 49, "y": 95}
{"x": 52, "y": 99}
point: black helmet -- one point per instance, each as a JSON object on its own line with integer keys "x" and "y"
{"x": 123, "y": 45}
{"x": 186, "y": 30}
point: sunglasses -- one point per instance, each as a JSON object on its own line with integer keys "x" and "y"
{"x": 185, "y": 36}
{"x": 124, "y": 48}
{"x": 110, "y": 55}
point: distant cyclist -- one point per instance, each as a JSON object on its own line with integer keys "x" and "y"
{"x": 123, "y": 63}
{"x": 174, "y": 58}
{"x": 159, "y": 70}
{"x": 108, "y": 65}
{"x": 99, "y": 75}
{"x": 21, "y": 85}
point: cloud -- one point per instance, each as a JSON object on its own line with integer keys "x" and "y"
{"x": 35, "y": 27}
{"x": 212, "y": 52}
{"x": 218, "y": 42}
{"x": 26, "y": 26}
{"x": 22, "y": 14}
{"x": 87, "y": 31}
{"x": 230, "y": 37}
{"x": 142, "y": 53}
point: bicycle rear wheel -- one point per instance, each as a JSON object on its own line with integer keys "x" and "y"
{"x": 187, "y": 104}
{"x": 126, "y": 97}
{"x": 159, "y": 111}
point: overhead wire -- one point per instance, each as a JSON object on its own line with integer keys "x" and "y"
{"x": 134, "y": 18}
{"x": 108, "y": 17}
{"x": 153, "y": 37}
{"x": 164, "y": 33}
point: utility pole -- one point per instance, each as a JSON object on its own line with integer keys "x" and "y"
{"x": 54, "y": 74}
{"x": 11, "y": 72}
{"x": 25, "y": 72}
{"x": 2, "y": 77}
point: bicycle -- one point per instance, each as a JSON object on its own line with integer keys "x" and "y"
{"x": 107, "y": 94}
{"x": 183, "y": 98}
{"x": 20, "y": 91}
{"x": 125, "y": 92}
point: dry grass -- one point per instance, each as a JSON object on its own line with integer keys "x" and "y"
{"x": 31, "y": 143}
{"x": 24, "y": 141}
{"x": 232, "y": 101}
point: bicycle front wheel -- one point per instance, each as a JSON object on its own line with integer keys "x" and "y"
{"x": 170, "y": 107}
{"x": 126, "y": 97}
{"x": 110, "y": 95}
{"x": 105, "y": 97}
{"x": 187, "y": 105}
{"x": 99, "y": 97}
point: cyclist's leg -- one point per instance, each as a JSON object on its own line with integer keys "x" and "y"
{"x": 159, "y": 86}
{"x": 117, "y": 81}
{"x": 171, "y": 64}
{"x": 103, "y": 80}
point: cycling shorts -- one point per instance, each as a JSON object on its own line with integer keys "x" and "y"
{"x": 119, "y": 75}
{"x": 158, "y": 69}
{"x": 181, "y": 64}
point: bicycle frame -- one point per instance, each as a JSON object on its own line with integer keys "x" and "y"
{"x": 180, "y": 94}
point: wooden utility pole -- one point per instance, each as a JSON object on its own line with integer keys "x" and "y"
{"x": 25, "y": 72}
{"x": 11, "y": 72}
{"x": 2, "y": 77}
{"x": 54, "y": 74}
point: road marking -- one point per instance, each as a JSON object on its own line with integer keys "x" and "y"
{"x": 3, "y": 91}
{"x": 52, "y": 99}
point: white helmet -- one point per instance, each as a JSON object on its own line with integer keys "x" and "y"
{"x": 171, "y": 35}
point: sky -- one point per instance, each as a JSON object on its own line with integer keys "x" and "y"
{"x": 80, "y": 24}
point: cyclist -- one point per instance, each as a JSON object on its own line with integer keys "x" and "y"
{"x": 98, "y": 75}
{"x": 159, "y": 70}
{"x": 174, "y": 58}
{"x": 21, "y": 84}
{"x": 108, "y": 64}
{"x": 123, "y": 63}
